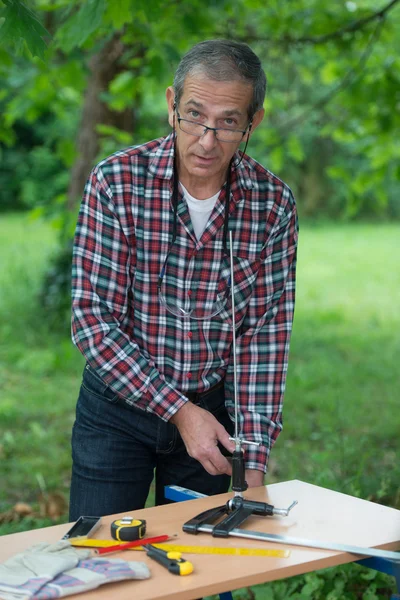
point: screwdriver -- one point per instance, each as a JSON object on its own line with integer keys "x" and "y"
{"x": 173, "y": 561}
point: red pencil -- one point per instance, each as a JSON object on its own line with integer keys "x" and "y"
{"x": 154, "y": 540}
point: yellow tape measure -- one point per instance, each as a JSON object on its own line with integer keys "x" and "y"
{"x": 128, "y": 529}
{"x": 190, "y": 549}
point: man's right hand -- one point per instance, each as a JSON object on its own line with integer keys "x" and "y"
{"x": 201, "y": 433}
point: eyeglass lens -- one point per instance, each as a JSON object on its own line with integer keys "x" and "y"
{"x": 197, "y": 129}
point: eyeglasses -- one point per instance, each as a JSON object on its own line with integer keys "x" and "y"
{"x": 197, "y": 313}
{"x": 222, "y": 134}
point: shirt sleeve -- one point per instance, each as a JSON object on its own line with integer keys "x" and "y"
{"x": 262, "y": 345}
{"x": 101, "y": 283}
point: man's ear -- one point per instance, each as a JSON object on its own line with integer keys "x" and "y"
{"x": 170, "y": 96}
{"x": 257, "y": 118}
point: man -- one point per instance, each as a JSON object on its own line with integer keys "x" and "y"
{"x": 152, "y": 296}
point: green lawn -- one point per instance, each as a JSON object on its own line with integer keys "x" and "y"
{"x": 341, "y": 417}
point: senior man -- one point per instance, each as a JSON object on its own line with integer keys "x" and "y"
{"x": 152, "y": 309}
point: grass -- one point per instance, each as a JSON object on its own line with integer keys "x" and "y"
{"x": 39, "y": 373}
{"x": 341, "y": 406}
{"x": 341, "y": 417}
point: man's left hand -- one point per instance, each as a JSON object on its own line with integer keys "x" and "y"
{"x": 254, "y": 478}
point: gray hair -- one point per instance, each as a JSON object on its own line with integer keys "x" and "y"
{"x": 223, "y": 60}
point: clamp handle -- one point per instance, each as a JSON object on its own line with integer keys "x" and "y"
{"x": 239, "y": 483}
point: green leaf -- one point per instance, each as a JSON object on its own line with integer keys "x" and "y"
{"x": 329, "y": 72}
{"x": 361, "y": 183}
{"x": 77, "y": 29}
{"x": 157, "y": 66}
{"x": 122, "y": 137}
{"x": 338, "y": 172}
{"x": 275, "y": 160}
{"x": 295, "y": 148}
{"x": 19, "y": 22}
{"x": 122, "y": 83}
{"x": 119, "y": 12}
{"x": 171, "y": 52}
{"x": 66, "y": 151}
{"x": 6, "y": 60}
{"x": 370, "y": 594}
{"x": 381, "y": 198}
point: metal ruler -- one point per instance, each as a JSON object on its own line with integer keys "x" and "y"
{"x": 285, "y": 539}
{"x": 92, "y": 543}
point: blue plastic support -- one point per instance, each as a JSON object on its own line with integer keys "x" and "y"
{"x": 226, "y": 596}
{"x": 179, "y": 494}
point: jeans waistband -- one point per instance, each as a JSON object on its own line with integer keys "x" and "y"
{"x": 195, "y": 397}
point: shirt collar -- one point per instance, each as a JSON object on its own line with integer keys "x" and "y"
{"x": 245, "y": 172}
{"x": 162, "y": 164}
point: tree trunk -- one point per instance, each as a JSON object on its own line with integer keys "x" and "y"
{"x": 104, "y": 67}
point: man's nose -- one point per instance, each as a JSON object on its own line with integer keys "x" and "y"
{"x": 208, "y": 140}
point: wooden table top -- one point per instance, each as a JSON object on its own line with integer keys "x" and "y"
{"x": 321, "y": 514}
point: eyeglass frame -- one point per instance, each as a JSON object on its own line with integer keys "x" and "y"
{"x": 214, "y": 129}
{"x": 181, "y": 312}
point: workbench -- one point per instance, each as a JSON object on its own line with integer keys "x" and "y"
{"x": 321, "y": 514}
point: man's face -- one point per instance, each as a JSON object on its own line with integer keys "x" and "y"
{"x": 203, "y": 161}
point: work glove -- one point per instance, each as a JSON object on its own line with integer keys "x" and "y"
{"x": 22, "y": 575}
{"x": 57, "y": 570}
{"x": 89, "y": 574}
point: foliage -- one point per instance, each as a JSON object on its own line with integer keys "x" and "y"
{"x": 347, "y": 582}
{"x": 55, "y": 294}
{"x": 40, "y": 104}
{"x": 332, "y": 106}
{"x": 19, "y": 24}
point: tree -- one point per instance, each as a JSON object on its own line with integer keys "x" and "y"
{"x": 333, "y": 98}
{"x": 93, "y": 81}
{"x": 105, "y": 66}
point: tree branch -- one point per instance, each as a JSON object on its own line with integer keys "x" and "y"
{"x": 350, "y": 28}
{"x": 326, "y": 37}
{"x": 347, "y": 80}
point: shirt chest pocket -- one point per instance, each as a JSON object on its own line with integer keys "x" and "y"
{"x": 245, "y": 271}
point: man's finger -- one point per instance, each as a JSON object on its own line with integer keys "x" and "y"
{"x": 225, "y": 445}
{"x": 209, "y": 467}
{"x": 220, "y": 463}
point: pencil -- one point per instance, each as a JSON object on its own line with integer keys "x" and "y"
{"x": 127, "y": 545}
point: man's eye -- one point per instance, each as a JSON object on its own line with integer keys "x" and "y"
{"x": 194, "y": 114}
{"x": 231, "y": 123}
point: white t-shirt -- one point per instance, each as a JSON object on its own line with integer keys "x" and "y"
{"x": 199, "y": 210}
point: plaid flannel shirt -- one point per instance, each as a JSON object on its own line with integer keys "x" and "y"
{"x": 149, "y": 356}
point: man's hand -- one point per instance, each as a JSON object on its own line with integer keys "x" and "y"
{"x": 254, "y": 478}
{"x": 201, "y": 433}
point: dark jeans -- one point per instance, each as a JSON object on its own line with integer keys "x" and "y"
{"x": 116, "y": 448}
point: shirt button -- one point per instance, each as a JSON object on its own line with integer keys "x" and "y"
{"x": 190, "y": 334}
{"x": 189, "y": 375}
